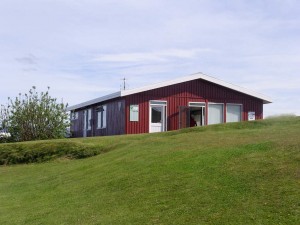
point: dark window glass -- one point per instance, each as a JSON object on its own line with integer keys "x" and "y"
{"x": 156, "y": 114}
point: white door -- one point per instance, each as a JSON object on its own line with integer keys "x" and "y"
{"x": 157, "y": 118}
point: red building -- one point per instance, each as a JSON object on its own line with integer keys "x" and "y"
{"x": 194, "y": 100}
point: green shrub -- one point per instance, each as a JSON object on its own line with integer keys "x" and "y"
{"x": 41, "y": 151}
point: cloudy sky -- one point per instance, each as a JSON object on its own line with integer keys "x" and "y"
{"x": 82, "y": 49}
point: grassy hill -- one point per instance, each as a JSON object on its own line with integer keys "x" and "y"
{"x": 239, "y": 173}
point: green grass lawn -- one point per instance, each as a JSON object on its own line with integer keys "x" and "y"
{"x": 239, "y": 173}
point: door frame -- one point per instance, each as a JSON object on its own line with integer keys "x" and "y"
{"x": 201, "y": 105}
{"x": 163, "y": 104}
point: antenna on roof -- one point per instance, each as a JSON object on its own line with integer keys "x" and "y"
{"x": 123, "y": 86}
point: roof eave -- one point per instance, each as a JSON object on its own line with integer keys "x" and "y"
{"x": 95, "y": 101}
{"x": 265, "y": 99}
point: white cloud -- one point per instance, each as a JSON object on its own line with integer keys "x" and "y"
{"x": 157, "y": 56}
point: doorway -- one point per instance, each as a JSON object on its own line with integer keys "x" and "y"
{"x": 157, "y": 116}
{"x": 197, "y": 114}
{"x": 192, "y": 115}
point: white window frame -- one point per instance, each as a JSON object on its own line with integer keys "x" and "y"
{"x": 241, "y": 114}
{"x": 134, "y": 115}
{"x": 197, "y": 104}
{"x": 200, "y": 105}
{"x": 104, "y": 115}
{"x": 214, "y": 103}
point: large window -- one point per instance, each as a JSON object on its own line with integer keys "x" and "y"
{"x": 215, "y": 113}
{"x": 101, "y": 117}
{"x": 233, "y": 113}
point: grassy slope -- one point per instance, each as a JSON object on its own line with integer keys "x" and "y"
{"x": 245, "y": 173}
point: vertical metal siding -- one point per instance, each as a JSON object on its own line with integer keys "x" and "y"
{"x": 115, "y": 119}
{"x": 180, "y": 95}
{"x": 115, "y": 123}
{"x": 175, "y": 95}
{"x": 77, "y": 125}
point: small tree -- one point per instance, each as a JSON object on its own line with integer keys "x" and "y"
{"x": 34, "y": 116}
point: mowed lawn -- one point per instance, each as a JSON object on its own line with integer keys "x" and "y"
{"x": 239, "y": 173}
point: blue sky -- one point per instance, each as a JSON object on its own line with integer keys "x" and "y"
{"x": 82, "y": 49}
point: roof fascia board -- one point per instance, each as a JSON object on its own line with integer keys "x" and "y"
{"x": 94, "y": 101}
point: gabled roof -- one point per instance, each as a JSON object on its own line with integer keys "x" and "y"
{"x": 172, "y": 82}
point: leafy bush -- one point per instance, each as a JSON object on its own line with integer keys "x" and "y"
{"x": 34, "y": 116}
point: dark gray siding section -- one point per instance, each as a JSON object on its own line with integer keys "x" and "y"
{"x": 115, "y": 123}
{"x": 115, "y": 120}
{"x": 77, "y": 125}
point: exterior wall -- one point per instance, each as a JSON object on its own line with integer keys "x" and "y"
{"x": 180, "y": 95}
{"x": 115, "y": 123}
{"x": 77, "y": 125}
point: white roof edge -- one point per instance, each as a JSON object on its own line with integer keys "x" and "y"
{"x": 195, "y": 76}
{"x": 94, "y": 101}
{"x": 240, "y": 89}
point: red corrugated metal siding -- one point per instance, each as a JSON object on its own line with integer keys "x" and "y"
{"x": 180, "y": 95}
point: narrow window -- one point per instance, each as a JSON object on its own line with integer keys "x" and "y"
{"x": 134, "y": 112}
{"x": 89, "y": 122}
{"x": 74, "y": 115}
{"x": 101, "y": 117}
